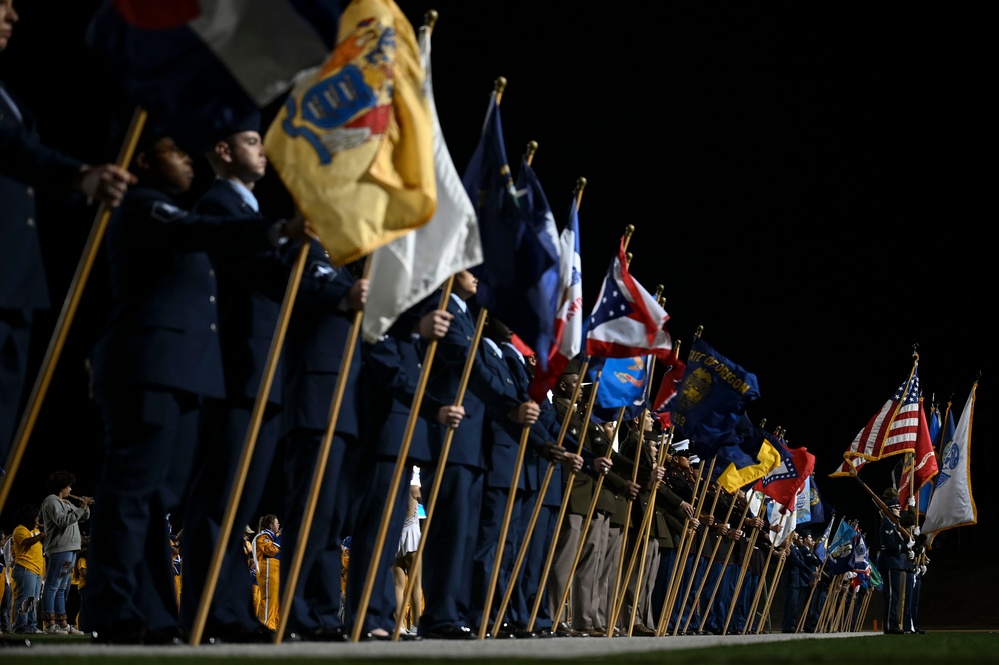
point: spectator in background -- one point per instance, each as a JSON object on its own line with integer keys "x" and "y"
{"x": 61, "y": 522}
{"x": 5, "y": 590}
{"x": 267, "y": 563}
{"x": 26, "y": 552}
{"x": 77, "y": 581}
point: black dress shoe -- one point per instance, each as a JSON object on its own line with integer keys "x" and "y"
{"x": 328, "y": 635}
{"x": 163, "y": 637}
{"x": 893, "y": 631}
{"x": 451, "y": 633}
{"x": 117, "y": 632}
{"x": 234, "y": 634}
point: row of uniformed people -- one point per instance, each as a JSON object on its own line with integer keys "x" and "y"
{"x": 194, "y": 301}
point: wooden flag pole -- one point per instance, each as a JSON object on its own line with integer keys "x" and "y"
{"x": 69, "y": 307}
{"x": 773, "y": 590}
{"x": 585, "y": 528}
{"x": 690, "y": 527}
{"x": 644, "y": 535}
{"x": 759, "y": 590}
{"x": 641, "y": 542}
{"x": 317, "y": 476}
{"x": 711, "y": 560}
{"x": 568, "y": 489}
{"x": 721, "y": 572}
{"x": 544, "y": 484}
{"x": 742, "y": 576}
{"x": 249, "y": 444}
{"x": 511, "y": 500}
{"x": 697, "y": 557}
{"x": 441, "y": 462}
{"x": 811, "y": 593}
{"x": 400, "y": 466}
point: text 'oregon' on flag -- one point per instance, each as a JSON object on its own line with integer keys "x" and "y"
{"x": 712, "y": 399}
{"x": 353, "y": 143}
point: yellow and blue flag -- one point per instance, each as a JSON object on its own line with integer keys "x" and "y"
{"x": 353, "y": 143}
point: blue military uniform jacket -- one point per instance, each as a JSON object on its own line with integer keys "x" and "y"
{"x": 163, "y": 325}
{"x": 442, "y": 385}
{"x": 314, "y": 347}
{"x": 894, "y": 551}
{"x": 250, "y": 291}
{"x": 391, "y": 372}
{"x": 24, "y": 165}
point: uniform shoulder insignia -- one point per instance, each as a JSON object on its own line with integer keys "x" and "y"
{"x": 321, "y": 270}
{"x": 167, "y": 212}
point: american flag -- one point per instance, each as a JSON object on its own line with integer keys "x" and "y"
{"x": 894, "y": 429}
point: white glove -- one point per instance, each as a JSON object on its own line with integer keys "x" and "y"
{"x": 922, "y": 570}
{"x": 911, "y": 543}
{"x": 849, "y": 576}
{"x": 912, "y": 501}
{"x": 915, "y": 531}
{"x": 912, "y": 555}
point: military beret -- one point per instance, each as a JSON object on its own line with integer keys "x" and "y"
{"x": 573, "y": 367}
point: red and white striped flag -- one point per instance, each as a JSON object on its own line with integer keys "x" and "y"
{"x": 894, "y": 429}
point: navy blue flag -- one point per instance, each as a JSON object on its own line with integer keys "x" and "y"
{"x": 712, "y": 399}
{"x": 515, "y": 256}
{"x": 199, "y": 68}
{"x": 539, "y": 257}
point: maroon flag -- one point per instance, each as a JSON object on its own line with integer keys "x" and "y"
{"x": 667, "y": 389}
{"x": 924, "y": 461}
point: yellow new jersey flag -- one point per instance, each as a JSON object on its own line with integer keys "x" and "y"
{"x": 353, "y": 143}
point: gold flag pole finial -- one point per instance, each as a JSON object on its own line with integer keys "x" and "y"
{"x": 430, "y": 18}
{"x": 659, "y": 293}
{"x": 628, "y": 232}
{"x": 499, "y": 85}
{"x": 580, "y": 186}
{"x": 532, "y": 147}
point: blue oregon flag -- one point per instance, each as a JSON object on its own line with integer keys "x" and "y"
{"x": 712, "y": 398}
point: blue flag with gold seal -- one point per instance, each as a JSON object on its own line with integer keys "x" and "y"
{"x": 712, "y": 399}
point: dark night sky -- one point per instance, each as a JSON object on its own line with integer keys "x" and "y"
{"x": 807, "y": 182}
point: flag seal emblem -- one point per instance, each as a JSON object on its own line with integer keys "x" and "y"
{"x": 696, "y": 388}
{"x": 350, "y": 101}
